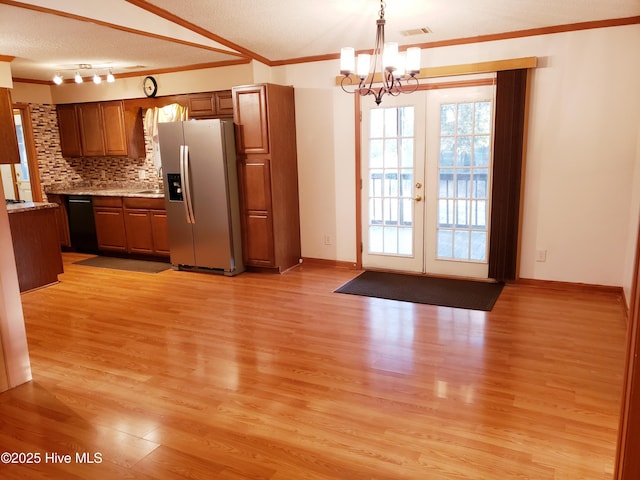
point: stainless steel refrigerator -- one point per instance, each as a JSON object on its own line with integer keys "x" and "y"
{"x": 201, "y": 195}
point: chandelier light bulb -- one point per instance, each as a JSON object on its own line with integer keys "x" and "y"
{"x": 97, "y": 79}
{"x": 390, "y": 56}
{"x": 110, "y": 77}
{"x": 57, "y": 79}
{"x": 78, "y": 78}
{"x": 347, "y": 60}
{"x": 413, "y": 61}
{"x": 400, "y": 71}
{"x": 364, "y": 63}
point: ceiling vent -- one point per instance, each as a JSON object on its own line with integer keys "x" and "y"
{"x": 416, "y": 31}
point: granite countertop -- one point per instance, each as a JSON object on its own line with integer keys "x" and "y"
{"x": 148, "y": 192}
{"x": 29, "y": 206}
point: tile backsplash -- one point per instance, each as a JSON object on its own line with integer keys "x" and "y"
{"x": 56, "y": 170}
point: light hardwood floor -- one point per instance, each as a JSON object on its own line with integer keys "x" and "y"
{"x": 182, "y": 375}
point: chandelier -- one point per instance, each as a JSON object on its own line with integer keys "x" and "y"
{"x": 397, "y": 70}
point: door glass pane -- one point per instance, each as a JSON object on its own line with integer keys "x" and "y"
{"x": 465, "y": 118}
{"x": 481, "y": 150}
{"x": 375, "y": 153}
{"x": 390, "y": 122}
{"x": 24, "y": 165}
{"x": 391, "y": 153}
{"x": 463, "y": 169}
{"x": 405, "y": 241}
{"x": 407, "y": 152}
{"x": 483, "y": 118}
{"x": 448, "y": 119}
{"x": 391, "y": 181}
{"x": 377, "y": 124}
{"x": 445, "y": 243}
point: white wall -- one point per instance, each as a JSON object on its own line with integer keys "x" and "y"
{"x": 31, "y": 93}
{"x": 581, "y": 156}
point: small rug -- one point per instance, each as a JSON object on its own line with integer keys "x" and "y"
{"x": 444, "y": 292}
{"x": 129, "y": 264}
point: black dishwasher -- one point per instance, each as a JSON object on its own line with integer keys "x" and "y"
{"x": 82, "y": 227}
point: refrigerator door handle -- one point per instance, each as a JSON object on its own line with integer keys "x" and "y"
{"x": 186, "y": 180}
{"x": 183, "y": 177}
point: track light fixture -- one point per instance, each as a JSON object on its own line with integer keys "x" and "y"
{"x": 97, "y": 79}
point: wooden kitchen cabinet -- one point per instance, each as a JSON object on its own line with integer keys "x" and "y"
{"x": 250, "y": 117}
{"x": 224, "y": 103}
{"x": 139, "y": 234}
{"x": 201, "y": 105}
{"x": 160, "y": 231}
{"x": 62, "y": 219}
{"x": 146, "y": 226}
{"x": 69, "y": 129}
{"x": 35, "y": 245}
{"x": 264, "y": 116}
{"x": 8, "y": 137}
{"x": 211, "y": 104}
{"x": 98, "y": 129}
{"x": 91, "y": 129}
{"x": 110, "y": 227}
{"x": 114, "y": 129}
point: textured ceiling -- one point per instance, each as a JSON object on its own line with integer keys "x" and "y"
{"x": 155, "y": 35}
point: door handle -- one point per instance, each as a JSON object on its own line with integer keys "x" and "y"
{"x": 418, "y": 198}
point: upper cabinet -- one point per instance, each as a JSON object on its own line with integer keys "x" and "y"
{"x": 101, "y": 129}
{"x": 211, "y": 104}
{"x": 251, "y": 119}
{"x": 69, "y": 131}
{"x": 8, "y": 140}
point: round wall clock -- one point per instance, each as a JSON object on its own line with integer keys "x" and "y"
{"x": 150, "y": 86}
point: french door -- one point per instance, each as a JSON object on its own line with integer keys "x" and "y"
{"x": 426, "y": 164}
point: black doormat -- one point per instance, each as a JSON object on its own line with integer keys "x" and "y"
{"x": 445, "y": 292}
{"x": 129, "y": 264}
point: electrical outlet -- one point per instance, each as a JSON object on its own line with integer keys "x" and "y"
{"x": 327, "y": 240}
{"x": 541, "y": 255}
{"x": 142, "y": 174}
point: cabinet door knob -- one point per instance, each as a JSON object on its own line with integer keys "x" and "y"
{"x": 418, "y": 198}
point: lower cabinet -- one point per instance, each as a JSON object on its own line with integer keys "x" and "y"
{"x": 139, "y": 234}
{"x": 62, "y": 219}
{"x": 146, "y": 226}
{"x": 131, "y": 224}
{"x": 110, "y": 227}
{"x": 160, "y": 231}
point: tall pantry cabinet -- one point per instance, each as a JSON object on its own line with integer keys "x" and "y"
{"x": 264, "y": 117}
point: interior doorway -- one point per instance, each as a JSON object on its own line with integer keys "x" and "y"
{"x": 22, "y": 180}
